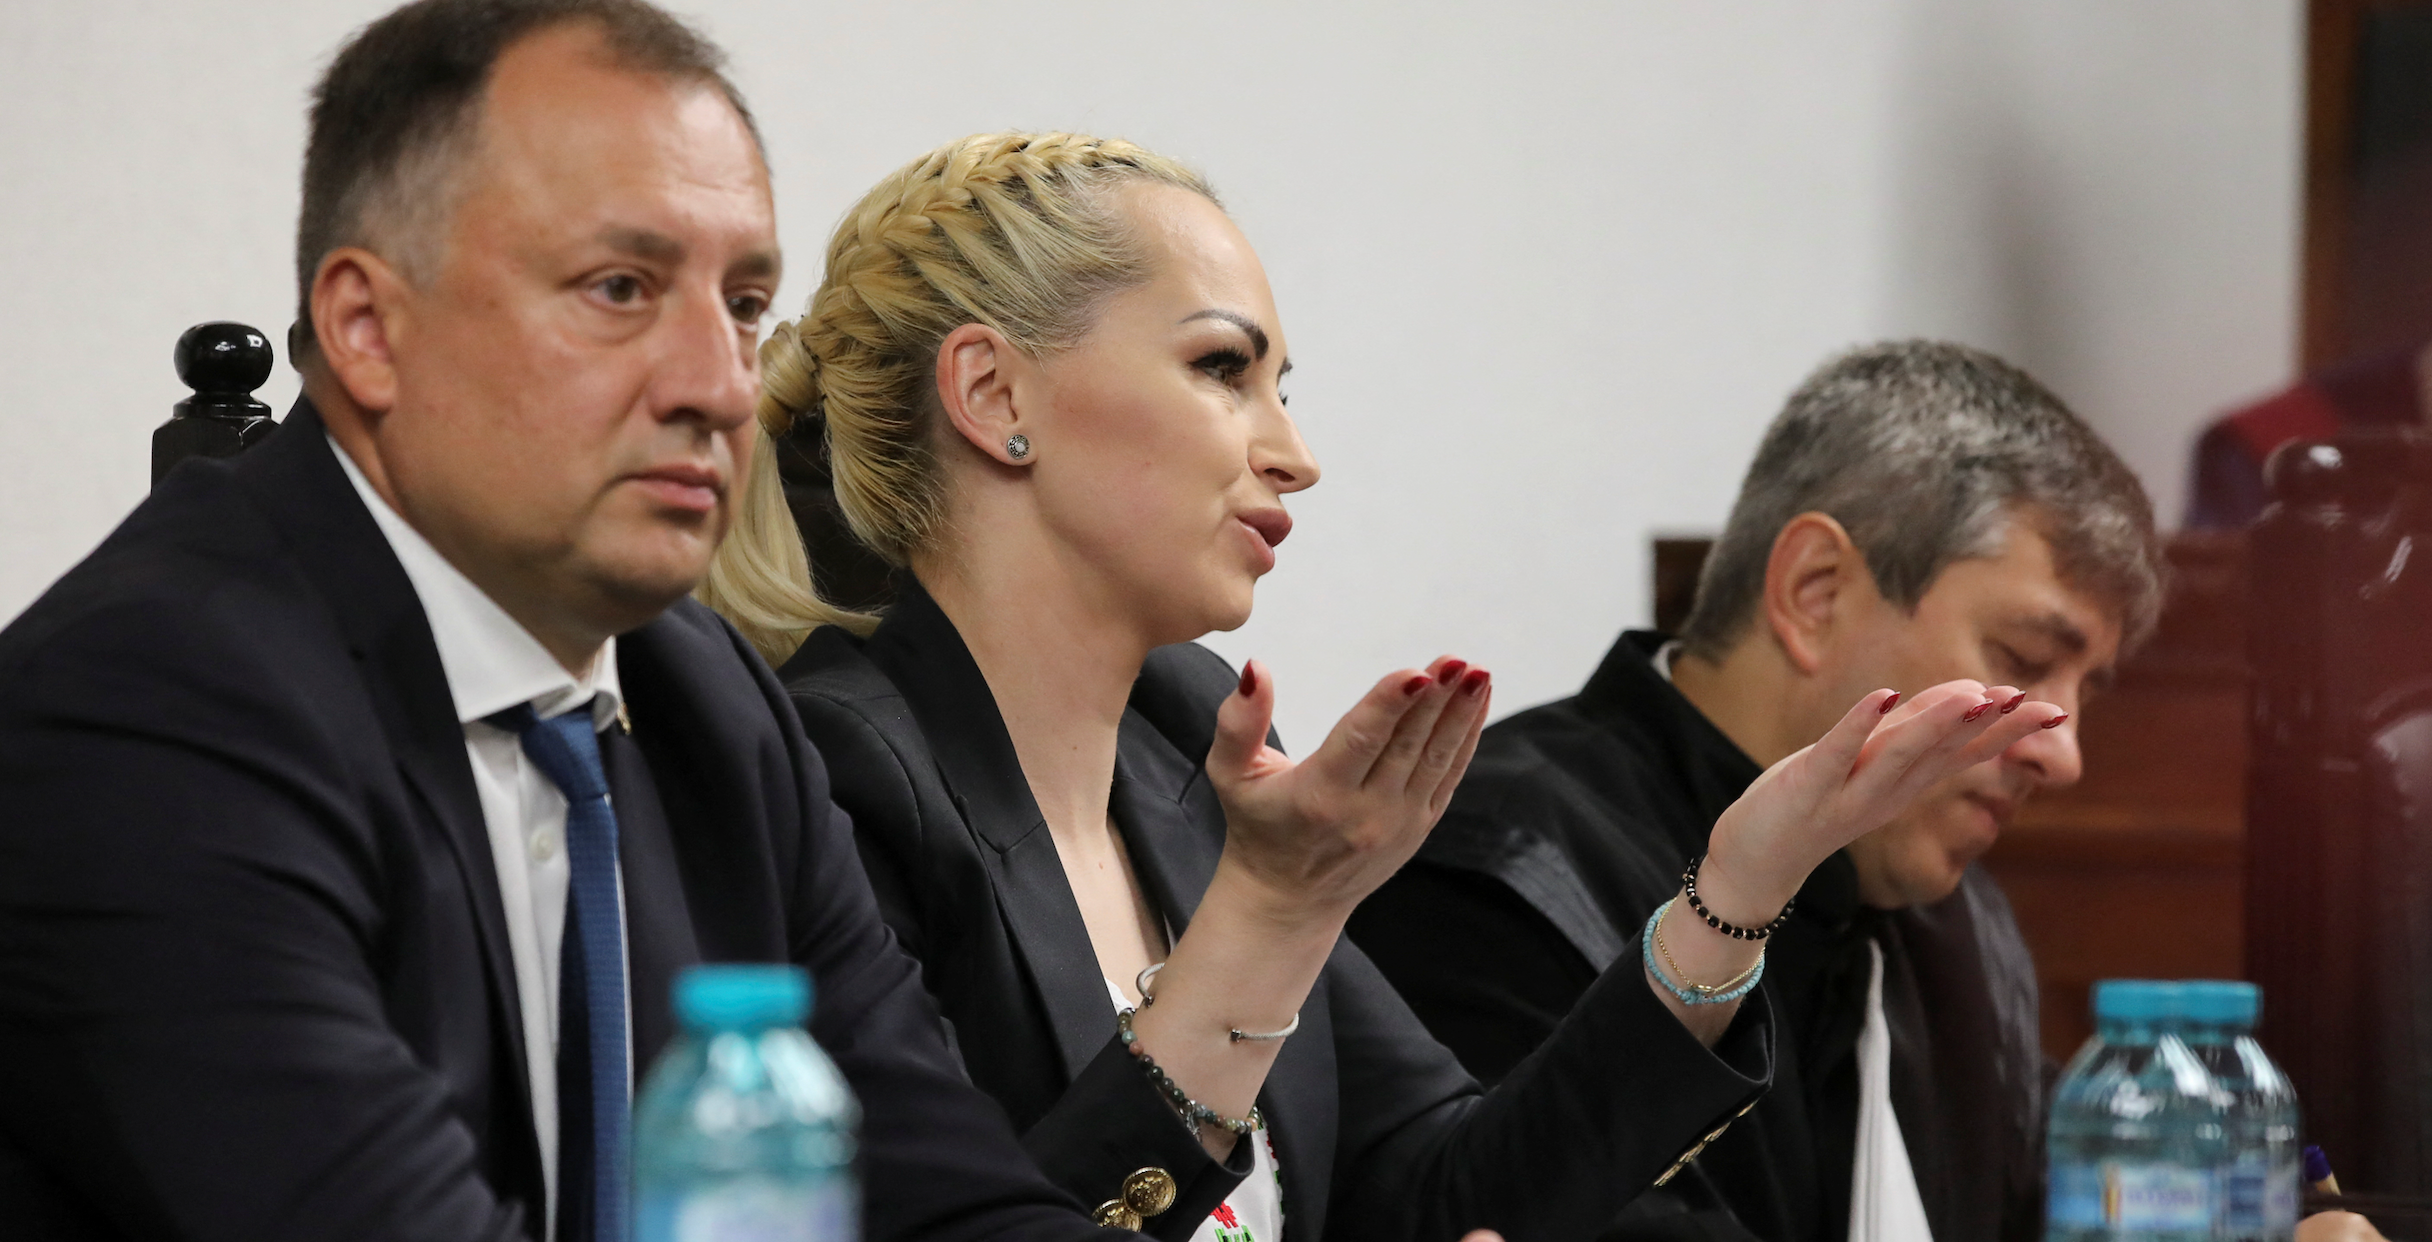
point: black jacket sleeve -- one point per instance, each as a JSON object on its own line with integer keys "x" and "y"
{"x": 1579, "y": 1129}
{"x": 1493, "y": 980}
{"x": 194, "y": 1037}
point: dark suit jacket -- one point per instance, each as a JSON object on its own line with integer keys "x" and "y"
{"x": 254, "y": 976}
{"x": 1572, "y": 827}
{"x": 1378, "y": 1132}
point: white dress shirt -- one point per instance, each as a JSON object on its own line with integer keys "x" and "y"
{"x": 1884, "y": 1204}
{"x": 492, "y": 664}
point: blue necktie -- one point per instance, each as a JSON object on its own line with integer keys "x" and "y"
{"x": 592, "y": 964}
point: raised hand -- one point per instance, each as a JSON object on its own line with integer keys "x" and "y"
{"x": 1326, "y": 830}
{"x": 1854, "y": 779}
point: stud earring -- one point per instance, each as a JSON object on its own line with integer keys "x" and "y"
{"x": 1017, "y": 446}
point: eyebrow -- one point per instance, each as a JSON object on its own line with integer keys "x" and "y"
{"x": 2059, "y": 629}
{"x": 645, "y": 244}
{"x": 652, "y": 246}
{"x": 1249, "y": 326}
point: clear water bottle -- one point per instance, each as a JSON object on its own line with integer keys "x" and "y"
{"x": 744, "y": 1130}
{"x": 2138, "y": 1126}
{"x": 2258, "y": 1176}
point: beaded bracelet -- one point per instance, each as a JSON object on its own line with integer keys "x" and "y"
{"x": 1194, "y": 1113}
{"x": 1688, "y": 883}
{"x": 1695, "y": 994}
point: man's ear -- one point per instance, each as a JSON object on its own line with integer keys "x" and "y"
{"x": 976, "y": 369}
{"x": 358, "y": 312}
{"x": 1814, "y": 577}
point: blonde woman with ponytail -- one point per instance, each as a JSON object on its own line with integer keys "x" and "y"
{"x": 1046, "y": 370}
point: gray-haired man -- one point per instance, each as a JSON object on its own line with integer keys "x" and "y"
{"x": 1918, "y": 512}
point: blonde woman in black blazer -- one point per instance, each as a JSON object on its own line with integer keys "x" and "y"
{"x": 1047, "y": 369}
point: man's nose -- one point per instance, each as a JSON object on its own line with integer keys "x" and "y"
{"x": 2050, "y": 756}
{"x": 707, "y": 371}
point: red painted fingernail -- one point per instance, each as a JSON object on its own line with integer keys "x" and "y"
{"x": 1452, "y": 670}
{"x": 1889, "y": 704}
{"x": 1475, "y": 682}
{"x": 1249, "y": 680}
{"x": 1417, "y": 683}
{"x": 2057, "y": 721}
{"x": 2012, "y": 705}
{"x": 1976, "y": 711}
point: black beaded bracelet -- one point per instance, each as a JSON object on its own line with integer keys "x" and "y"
{"x": 1688, "y": 883}
{"x": 1194, "y": 1114}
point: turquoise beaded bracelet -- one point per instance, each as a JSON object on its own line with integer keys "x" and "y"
{"x": 1690, "y": 995}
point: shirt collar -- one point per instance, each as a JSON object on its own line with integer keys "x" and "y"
{"x": 1663, "y": 658}
{"x": 492, "y": 662}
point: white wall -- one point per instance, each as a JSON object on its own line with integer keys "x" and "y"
{"x": 1546, "y": 270}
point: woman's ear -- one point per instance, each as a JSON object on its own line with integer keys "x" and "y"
{"x": 976, "y": 368}
{"x": 1812, "y": 580}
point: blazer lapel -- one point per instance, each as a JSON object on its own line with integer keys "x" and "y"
{"x": 1155, "y": 809}
{"x": 658, "y": 921}
{"x": 919, "y": 650}
{"x": 296, "y": 480}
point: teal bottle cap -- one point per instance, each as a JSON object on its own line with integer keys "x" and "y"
{"x": 2227, "y": 1002}
{"x": 2137, "y": 1000}
{"x": 742, "y": 996}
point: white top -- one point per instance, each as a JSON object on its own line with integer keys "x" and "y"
{"x": 1663, "y": 658}
{"x": 1254, "y": 1212}
{"x": 493, "y": 663}
{"x": 1884, "y": 1205}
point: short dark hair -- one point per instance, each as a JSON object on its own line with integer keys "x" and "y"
{"x": 391, "y": 116}
{"x": 1925, "y": 452}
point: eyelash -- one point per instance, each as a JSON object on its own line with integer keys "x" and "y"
{"x": 1227, "y": 365}
{"x": 2027, "y": 671}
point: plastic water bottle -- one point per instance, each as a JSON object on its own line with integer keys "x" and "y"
{"x": 744, "y": 1131}
{"x": 2138, "y": 1126}
{"x": 2258, "y": 1176}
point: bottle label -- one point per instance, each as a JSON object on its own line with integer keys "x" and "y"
{"x": 2122, "y": 1195}
{"x": 752, "y": 1209}
{"x": 2280, "y": 1200}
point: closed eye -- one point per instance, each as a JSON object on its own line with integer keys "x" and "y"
{"x": 2021, "y": 670}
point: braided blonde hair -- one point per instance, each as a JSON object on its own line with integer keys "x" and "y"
{"x": 1014, "y": 231}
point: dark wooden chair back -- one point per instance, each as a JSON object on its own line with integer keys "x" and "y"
{"x": 223, "y": 363}
{"x": 2339, "y": 797}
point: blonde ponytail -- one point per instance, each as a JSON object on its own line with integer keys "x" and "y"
{"x": 1014, "y": 231}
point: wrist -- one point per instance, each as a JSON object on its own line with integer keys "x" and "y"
{"x": 1274, "y": 905}
{"x": 1740, "y": 894}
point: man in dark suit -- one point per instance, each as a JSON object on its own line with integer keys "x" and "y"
{"x": 1918, "y": 512}
{"x": 364, "y": 797}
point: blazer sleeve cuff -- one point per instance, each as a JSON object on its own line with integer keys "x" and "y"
{"x": 1112, "y": 1123}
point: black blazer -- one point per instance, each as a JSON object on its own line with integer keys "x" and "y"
{"x": 1378, "y": 1132}
{"x": 254, "y": 975}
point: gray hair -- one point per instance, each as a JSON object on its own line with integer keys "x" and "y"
{"x": 1925, "y": 451}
